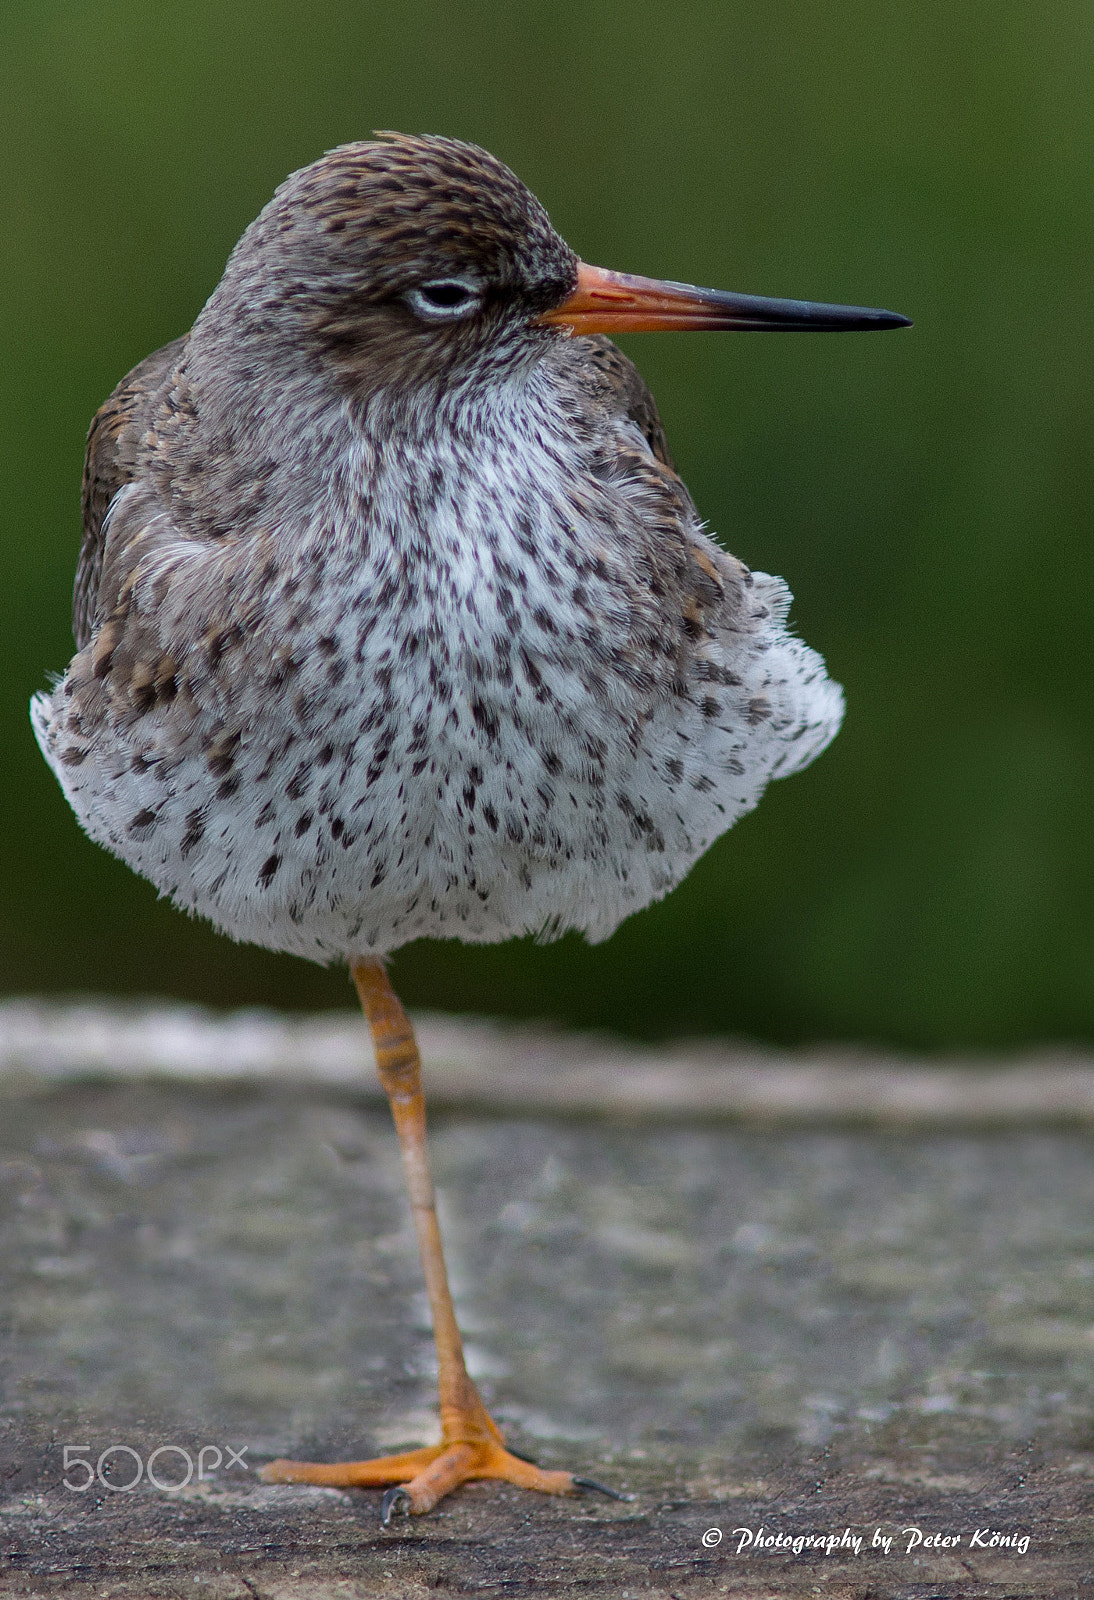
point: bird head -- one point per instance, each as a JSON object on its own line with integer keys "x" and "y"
{"x": 410, "y": 262}
{"x": 402, "y": 261}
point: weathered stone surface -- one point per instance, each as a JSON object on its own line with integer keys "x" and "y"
{"x": 801, "y": 1329}
{"x": 477, "y": 1064}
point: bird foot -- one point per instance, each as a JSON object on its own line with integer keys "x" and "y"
{"x": 419, "y": 1478}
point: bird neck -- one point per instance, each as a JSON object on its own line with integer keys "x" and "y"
{"x": 266, "y": 437}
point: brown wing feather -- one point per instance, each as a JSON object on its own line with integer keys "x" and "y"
{"x": 630, "y": 392}
{"x": 702, "y": 579}
{"x": 109, "y": 464}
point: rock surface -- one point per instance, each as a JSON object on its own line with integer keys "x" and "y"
{"x": 819, "y": 1327}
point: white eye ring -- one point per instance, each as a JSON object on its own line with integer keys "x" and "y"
{"x": 444, "y": 300}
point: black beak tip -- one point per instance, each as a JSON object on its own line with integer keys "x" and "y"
{"x": 859, "y": 319}
{"x": 848, "y": 319}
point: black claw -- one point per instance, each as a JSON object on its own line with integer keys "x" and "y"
{"x": 531, "y": 1460}
{"x": 395, "y": 1501}
{"x": 600, "y": 1488}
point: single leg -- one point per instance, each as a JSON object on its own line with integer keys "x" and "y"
{"x": 471, "y": 1444}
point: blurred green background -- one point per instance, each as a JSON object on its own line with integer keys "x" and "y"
{"x": 926, "y": 494}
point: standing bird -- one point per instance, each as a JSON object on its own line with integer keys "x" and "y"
{"x": 395, "y": 621}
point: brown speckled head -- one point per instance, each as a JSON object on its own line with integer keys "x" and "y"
{"x": 400, "y": 210}
{"x": 400, "y": 257}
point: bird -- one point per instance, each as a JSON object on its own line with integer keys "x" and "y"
{"x": 394, "y": 619}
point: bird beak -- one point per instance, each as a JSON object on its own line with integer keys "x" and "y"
{"x": 617, "y": 302}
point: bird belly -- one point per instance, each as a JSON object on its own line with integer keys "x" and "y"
{"x": 476, "y": 794}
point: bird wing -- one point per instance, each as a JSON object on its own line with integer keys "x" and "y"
{"x": 697, "y": 587}
{"x": 109, "y": 464}
{"x": 627, "y": 392}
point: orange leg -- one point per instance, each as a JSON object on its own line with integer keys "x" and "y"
{"x": 471, "y": 1444}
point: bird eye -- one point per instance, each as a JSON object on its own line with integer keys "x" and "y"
{"x": 446, "y": 298}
